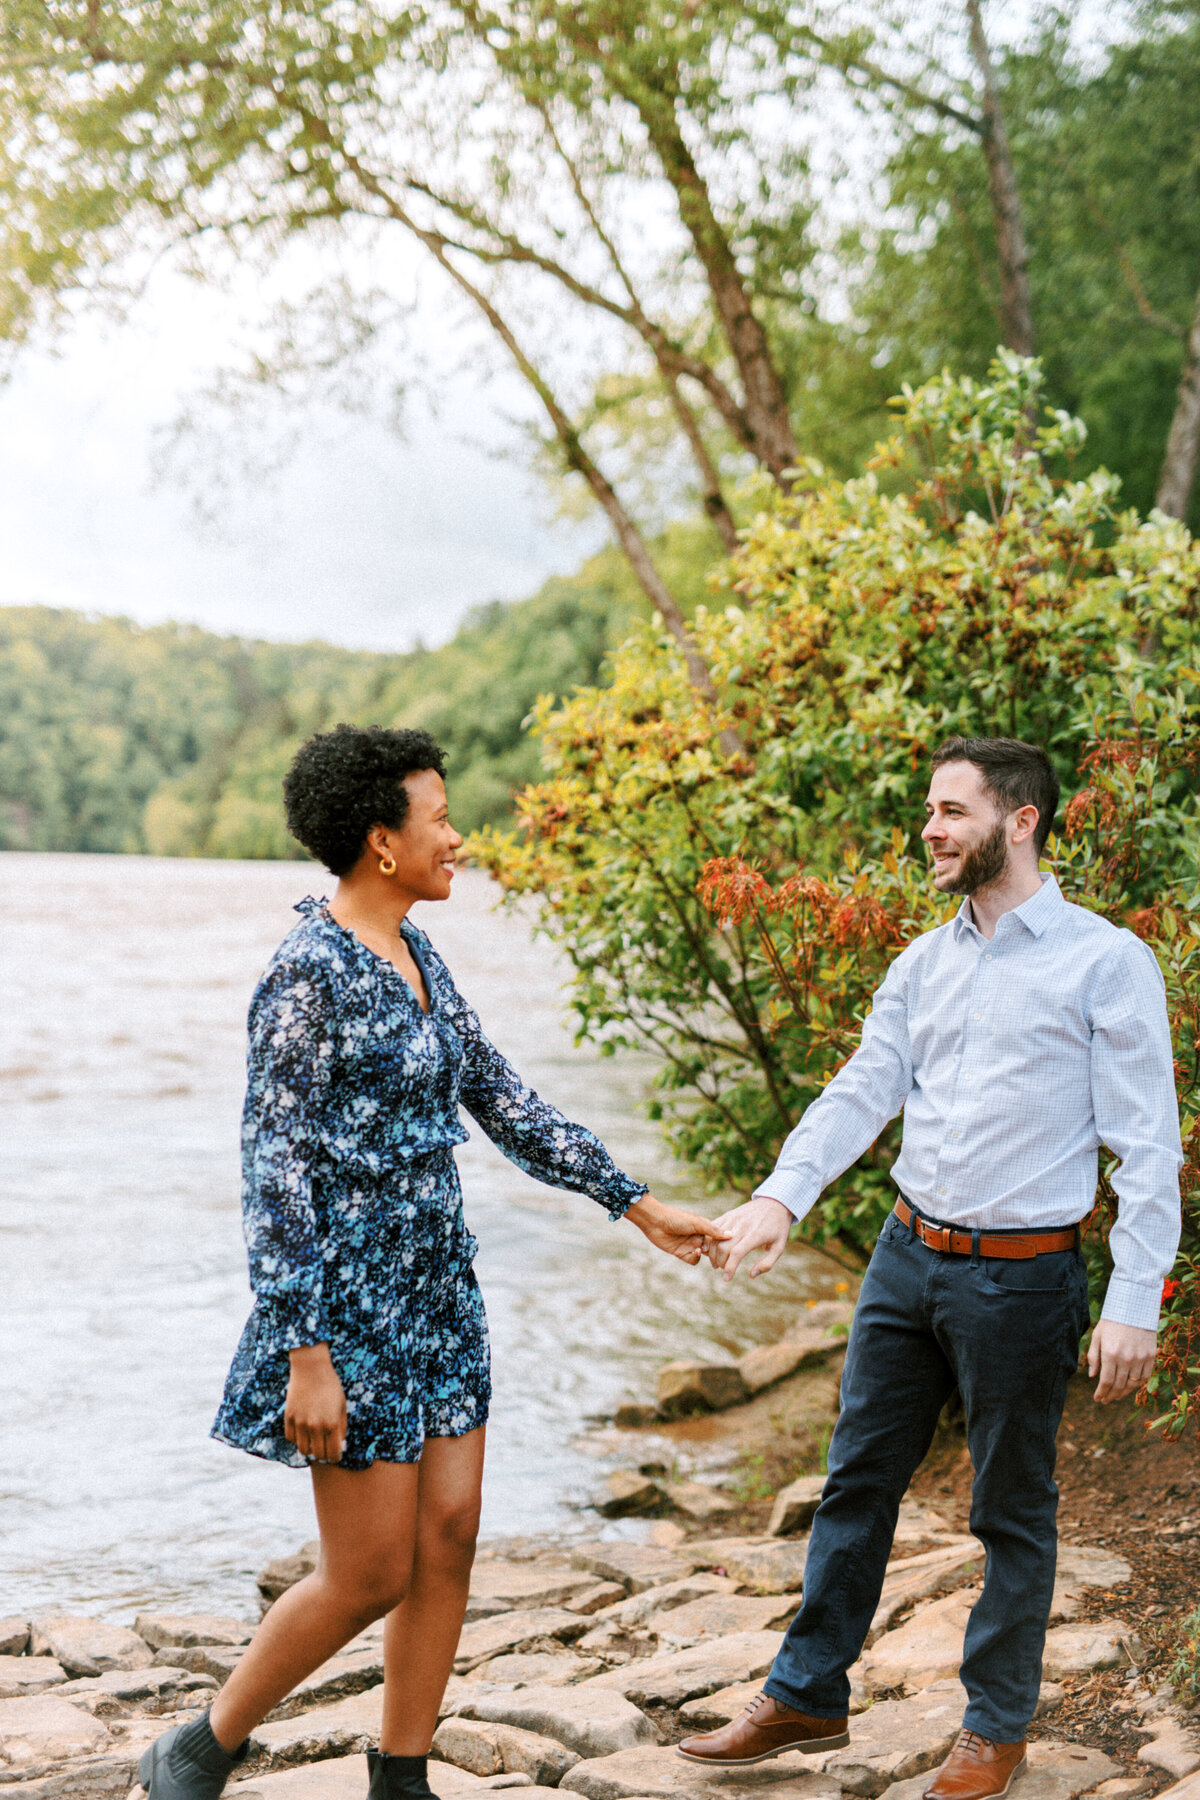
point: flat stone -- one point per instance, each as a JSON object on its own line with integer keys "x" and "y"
{"x": 764, "y": 1565}
{"x": 595, "y": 1598}
{"x": 636, "y": 1610}
{"x": 628, "y": 1493}
{"x": 352, "y": 1672}
{"x": 1126, "y": 1787}
{"x": 88, "y": 1646}
{"x": 522, "y": 1630}
{"x": 1081, "y": 1649}
{"x": 658, "y": 1774}
{"x": 217, "y": 1660}
{"x": 342, "y": 1729}
{"x": 635, "y": 1566}
{"x": 532, "y": 1668}
{"x": 21, "y": 1676}
{"x": 921, "y": 1577}
{"x": 769, "y": 1363}
{"x": 1055, "y": 1771}
{"x": 696, "y": 1501}
{"x": 529, "y": 1584}
{"x": 46, "y": 1729}
{"x": 486, "y": 1748}
{"x": 1188, "y": 1789}
{"x": 347, "y": 1777}
{"x": 926, "y": 1649}
{"x": 685, "y": 1674}
{"x": 719, "y": 1615}
{"x": 163, "y": 1629}
{"x": 592, "y": 1721}
{"x": 1173, "y": 1748}
{"x": 796, "y": 1505}
{"x": 112, "y": 1694}
{"x": 285, "y": 1571}
{"x": 896, "y": 1739}
{"x": 831, "y": 1317}
{"x": 687, "y": 1387}
{"x": 919, "y": 1527}
{"x": 1080, "y": 1568}
{"x": 107, "y": 1775}
{"x": 14, "y": 1637}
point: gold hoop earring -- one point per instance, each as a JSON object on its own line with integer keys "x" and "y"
{"x": 387, "y": 865}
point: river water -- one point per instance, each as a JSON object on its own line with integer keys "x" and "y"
{"x": 125, "y": 982}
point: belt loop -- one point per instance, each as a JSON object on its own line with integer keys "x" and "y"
{"x": 974, "y": 1249}
{"x": 912, "y": 1223}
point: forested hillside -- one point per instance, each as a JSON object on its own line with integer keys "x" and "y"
{"x": 172, "y": 740}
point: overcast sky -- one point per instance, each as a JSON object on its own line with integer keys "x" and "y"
{"x": 365, "y": 538}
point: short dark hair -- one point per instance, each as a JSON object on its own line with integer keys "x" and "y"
{"x": 343, "y": 781}
{"x": 1014, "y": 774}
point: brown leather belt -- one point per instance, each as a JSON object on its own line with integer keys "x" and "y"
{"x": 1019, "y": 1246}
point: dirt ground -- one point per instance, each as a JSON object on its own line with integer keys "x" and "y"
{"x": 1120, "y": 1488}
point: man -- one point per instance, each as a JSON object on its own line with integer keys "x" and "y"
{"x": 1017, "y": 1038}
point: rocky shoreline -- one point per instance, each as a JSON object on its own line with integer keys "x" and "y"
{"x": 581, "y": 1663}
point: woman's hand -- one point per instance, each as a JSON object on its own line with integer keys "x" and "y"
{"x": 757, "y": 1225}
{"x": 314, "y": 1412}
{"x": 686, "y": 1235}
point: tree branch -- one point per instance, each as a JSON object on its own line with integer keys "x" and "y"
{"x": 1178, "y": 474}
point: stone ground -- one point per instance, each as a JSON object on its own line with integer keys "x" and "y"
{"x": 582, "y": 1664}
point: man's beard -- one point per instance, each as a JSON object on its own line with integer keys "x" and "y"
{"x": 984, "y": 863}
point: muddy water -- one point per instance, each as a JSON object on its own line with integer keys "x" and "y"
{"x": 124, "y": 984}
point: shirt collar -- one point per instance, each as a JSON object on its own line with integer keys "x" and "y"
{"x": 1035, "y": 914}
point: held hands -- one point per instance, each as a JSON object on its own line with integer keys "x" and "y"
{"x": 314, "y": 1412}
{"x": 761, "y": 1224}
{"x": 1122, "y": 1356}
{"x": 686, "y": 1235}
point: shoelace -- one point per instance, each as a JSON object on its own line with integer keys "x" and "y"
{"x": 758, "y": 1700}
{"x": 971, "y": 1743}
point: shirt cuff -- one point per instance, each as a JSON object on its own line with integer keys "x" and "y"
{"x": 618, "y": 1196}
{"x": 1133, "y": 1303}
{"x": 797, "y": 1189}
{"x": 292, "y": 1323}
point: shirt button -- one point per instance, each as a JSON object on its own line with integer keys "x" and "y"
{"x": 988, "y": 957}
{"x": 941, "y": 1190}
{"x": 977, "y": 1015}
{"x": 956, "y": 1134}
{"x": 966, "y": 1078}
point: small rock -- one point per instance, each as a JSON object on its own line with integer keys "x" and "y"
{"x": 763, "y": 1367}
{"x": 217, "y": 1660}
{"x": 591, "y": 1721}
{"x": 350, "y": 1672}
{"x": 685, "y": 1674}
{"x": 21, "y": 1676}
{"x": 633, "y": 1413}
{"x": 896, "y": 1739}
{"x": 638, "y": 1609}
{"x": 628, "y": 1493}
{"x": 764, "y": 1565}
{"x": 493, "y": 1749}
{"x": 593, "y": 1599}
{"x": 533, "y": 1668}
{"x": 522, "y": 1630}
{"x": 1173, "y": 1748}
{"x": 163, "y": 1629}
{"x": 46, "y": 1729}
{"x": 342, "y": 1729}
{"x": 919, "y": 1527}
{"x": 88, "y": 1646}
{"x": 346, "y": 1778}
{"x": 528, "y": 1584}
{"x": 1188, "y": 1789}
{"x": 666, "y": 1533}
{"x": 687, "y": 1387}
{"x": 928, "y": 1648}
{"x": 1081, "y": 1649}
{"x": 285, "y": 1571}
{"x": 1126, "y": 1787}
{"x": 635, "y": 1566}
{"x": 113, "y": 1694}
{"x": 719, "y": 1615}
{"x": 1080, "y": 1567}
{"x": 796, "y": 1505}
{"x": 14, "y": 1637}
{"x": 696, "y": 1501}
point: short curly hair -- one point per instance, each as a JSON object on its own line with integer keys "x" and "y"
{"x": 343, "y": 781}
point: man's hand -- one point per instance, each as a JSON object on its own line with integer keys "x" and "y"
{"x": 686, "y": 1235}
{"x": 1122, "y": 1356}
{"x": 314, "y": 1412}
{"x": 758, "y": 1225}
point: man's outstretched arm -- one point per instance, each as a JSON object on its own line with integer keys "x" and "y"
{"x": 842, "y": 1122}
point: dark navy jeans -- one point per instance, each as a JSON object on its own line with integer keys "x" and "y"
{"x": 1006, "y": 1334}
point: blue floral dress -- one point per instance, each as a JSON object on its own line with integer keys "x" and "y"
{"x": 352, "y": 1208}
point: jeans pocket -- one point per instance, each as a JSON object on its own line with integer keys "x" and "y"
{"x": 1055, "y": 1272}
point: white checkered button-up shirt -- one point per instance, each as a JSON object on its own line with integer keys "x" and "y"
{"x": 1014, "y": 1060}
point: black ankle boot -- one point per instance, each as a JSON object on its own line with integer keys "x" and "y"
{"x": 188, "y": 1763}
{"x": 398, "y": 1777}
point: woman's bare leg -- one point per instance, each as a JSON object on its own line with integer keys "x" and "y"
{"x": 368, "y": 1525}
{"x": 421, "y": 1634}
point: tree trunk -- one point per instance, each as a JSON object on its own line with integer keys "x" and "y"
{"x": 1016, "y": 300}
{"x": 1178, "y": 472}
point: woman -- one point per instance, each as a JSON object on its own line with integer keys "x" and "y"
{"x": 365, "y": 1357}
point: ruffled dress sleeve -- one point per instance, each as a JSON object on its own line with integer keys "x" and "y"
{"x": 291, "y": 1060}
{"x": 530, "y": 1132}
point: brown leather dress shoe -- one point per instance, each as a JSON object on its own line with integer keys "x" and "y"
{"x": 764, "y": 1729}
{"x": 976, "y": 1769}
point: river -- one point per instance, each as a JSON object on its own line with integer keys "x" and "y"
{"x": 125, "y": 982}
